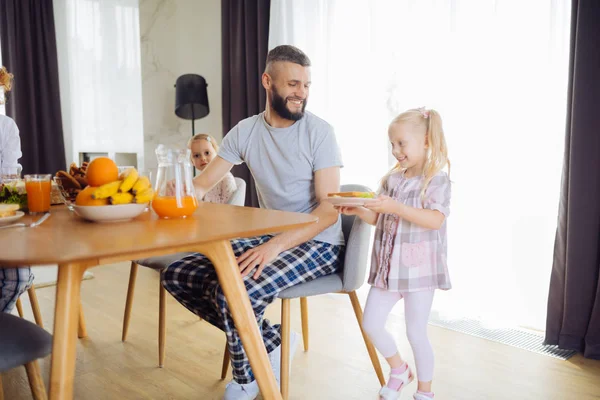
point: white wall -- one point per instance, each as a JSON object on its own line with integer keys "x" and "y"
{"x": 178, "y": 37}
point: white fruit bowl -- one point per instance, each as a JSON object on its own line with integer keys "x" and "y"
{"x": 117, "y": 213}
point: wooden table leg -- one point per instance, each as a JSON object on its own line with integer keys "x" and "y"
{"x": 221, "y": 255}
{"x": 66, "y": 316}
{"x": 81, "y": 328}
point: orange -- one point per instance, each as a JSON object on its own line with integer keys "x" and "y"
{"x": 102, "y": 170}
{"x": 84, "y": 198}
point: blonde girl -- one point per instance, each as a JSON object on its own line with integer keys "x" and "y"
{"x": 409, "y": 251}
{"x": 204, "y": 148}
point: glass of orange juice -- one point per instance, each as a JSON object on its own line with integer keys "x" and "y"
{"x": 38, "y": 187}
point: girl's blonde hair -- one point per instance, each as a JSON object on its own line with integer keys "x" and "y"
{"x": 437, "y": 151}
{"x": 6, "y": 79}
{"x": 203, "y": 136}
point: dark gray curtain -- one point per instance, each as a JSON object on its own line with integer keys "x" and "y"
{"x": 245, "y": 38}
{"x": 29, "y": 52}
{"x": 573, "y": 320}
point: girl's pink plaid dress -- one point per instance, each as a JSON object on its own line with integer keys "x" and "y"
{"x": 407, "y": 257}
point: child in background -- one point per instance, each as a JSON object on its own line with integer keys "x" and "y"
{"x": 409, "y": 251}
{"x": 204, "y": 148}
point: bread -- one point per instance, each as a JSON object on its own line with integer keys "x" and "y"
{"x": 365, "y": 195}
{"x": 8, "y": 210}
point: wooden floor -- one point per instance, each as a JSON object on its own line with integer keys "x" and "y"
{"x": 336, "y": 367}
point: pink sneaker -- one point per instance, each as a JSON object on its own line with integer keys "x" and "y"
{"x": 390, "y": 394}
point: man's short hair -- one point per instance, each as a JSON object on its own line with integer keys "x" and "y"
{"x": 287, "y": 53}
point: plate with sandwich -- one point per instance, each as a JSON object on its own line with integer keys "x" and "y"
{"x": 350, "y": 199}
{"x": 9, "y": 213}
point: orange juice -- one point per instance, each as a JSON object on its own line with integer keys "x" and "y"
{"x": 38, "y": 195}
{"x": 166, "y": 206}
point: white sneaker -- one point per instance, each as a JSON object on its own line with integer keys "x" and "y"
{"x": 275, "y": 356}
{"x": 239, "y": 391}
{"x": 419, "y": 396}
{"x": 389, "y": 394}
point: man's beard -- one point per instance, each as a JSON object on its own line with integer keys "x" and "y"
{"x": 279, "y": 105}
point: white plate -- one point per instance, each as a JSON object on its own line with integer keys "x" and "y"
{"x": 5, "y": 220}
{"x": 349, "y": 201}
{"x": 118, "y": 213}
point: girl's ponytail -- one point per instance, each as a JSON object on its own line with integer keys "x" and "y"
{"x": 437, "y": 155}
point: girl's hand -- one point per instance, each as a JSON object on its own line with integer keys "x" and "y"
{"x": 348, "y": 210}
{"x": 383, "y": 205}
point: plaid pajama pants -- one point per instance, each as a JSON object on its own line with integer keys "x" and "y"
{"x": 194, "y": 283}
{"x": 13, "y": 283}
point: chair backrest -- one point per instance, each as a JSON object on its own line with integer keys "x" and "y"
{"x": 238, "y": 198}
{"x": 22, "y": 342}
{"x": 357, "y": 234}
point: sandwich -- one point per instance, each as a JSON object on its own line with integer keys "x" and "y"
{"x": 13, "y": 193}
{"x": 8, "y": 210}
{"x": 364, "y": 195}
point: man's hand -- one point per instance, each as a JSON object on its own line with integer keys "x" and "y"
{"x": 258, "y": 258}
{"x": 172, "y": 189}
{"x": 383, "y": 205}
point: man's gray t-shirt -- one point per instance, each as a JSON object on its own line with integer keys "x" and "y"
{"x": 283, "y": 162}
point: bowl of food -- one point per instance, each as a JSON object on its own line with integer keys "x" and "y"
{"x": 67, "y": 184}
{"x": 115, "y": 197}
{"x": 110, "y": 213}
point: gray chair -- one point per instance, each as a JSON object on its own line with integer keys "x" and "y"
{"x": 357, "y": 235}
{"x": 22, "y": 343}
{"x": 238, "y": 198}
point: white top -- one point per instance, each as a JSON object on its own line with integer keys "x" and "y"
{"x": 10, "y": 146}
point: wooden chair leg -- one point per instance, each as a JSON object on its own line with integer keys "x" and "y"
{"x": 370, "y": 348}
{"x": 20, "y": 308}
{"x": 162, "y": 327}
{"x": 129, "y": 302}
{"x": 1, "y": 389}
{"x": 304, "y": 316}
{"x": 35, "y": 306}
{"x": 285, "y": 348}
{"x": 38, "y": 390}
{"x": 225, "y": 362}
{"x": 81, "y": 328}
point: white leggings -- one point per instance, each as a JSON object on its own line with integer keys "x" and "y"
{"x": 417, "y": 306}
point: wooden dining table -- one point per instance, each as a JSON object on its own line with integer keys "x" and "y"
{"x": 76, "y": 245}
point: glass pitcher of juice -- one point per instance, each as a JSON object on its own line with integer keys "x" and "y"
{"x": 174, "y": 190}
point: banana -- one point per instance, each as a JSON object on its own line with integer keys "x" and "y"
{"x": 144, "y": 196}
{"x": 142, "y": 183}
{"x": 120, "y": 198}
{"x": 106, "y": 190}
{"x": 129, "y": 178}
